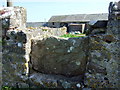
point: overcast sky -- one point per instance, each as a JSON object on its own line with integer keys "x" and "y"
{"x": 42, "y": 10}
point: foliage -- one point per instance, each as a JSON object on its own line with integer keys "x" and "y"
{"x": 72, "y": 35}
{"x": 6, "y": 88}
{"x": 44, "y": 29}
{"x": 2, "y": 42}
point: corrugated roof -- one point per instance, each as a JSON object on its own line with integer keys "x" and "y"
{"x": 79, "y": 17}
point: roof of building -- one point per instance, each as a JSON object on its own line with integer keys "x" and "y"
{"x": 79, "y": 18}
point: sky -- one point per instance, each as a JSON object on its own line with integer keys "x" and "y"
{"x": 42, "y": 10}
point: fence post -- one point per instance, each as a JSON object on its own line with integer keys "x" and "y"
{"x": 9, "y": 3}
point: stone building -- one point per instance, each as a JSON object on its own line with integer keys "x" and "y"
{"x": 75, "y": 22}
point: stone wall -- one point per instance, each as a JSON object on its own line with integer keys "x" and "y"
{"x": 103, "y": 66}
{"x": 94, "y": 59}
{"x": 16, "y": 47}
{"x": 14, "y": 68}
{"x": 60, "y": 62}
{"x": 0, "y": 54}
{"x": 19, "y": 18}
{"x": 13, "y": 17}
{"x": 101, "y": 59}
{"x": 40, "y": 58}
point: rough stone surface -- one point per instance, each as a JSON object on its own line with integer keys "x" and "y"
{"x": 114, "y": 28}
{"x": 59, "y": 55}
{"x": 14, "y": 68}
{"x": 102, "y": 68}
{"x": 54, "y": 81}
{"x": 98, "y": 31}
{"x": 103, "y": 65}
{"x": 89, "y": 62}
{"x": 0, "y": 53}
{"x": 16, "y": 47}
{"x": 13, "y": 17}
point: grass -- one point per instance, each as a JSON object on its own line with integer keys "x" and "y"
{"x": 0, "y": 42}
{"x": 6, "y": 88}
{"x": 72, "y": 35}
{"x": 44, "y": 29}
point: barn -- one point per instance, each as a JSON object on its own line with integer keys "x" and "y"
{"x": 78, "y": 22}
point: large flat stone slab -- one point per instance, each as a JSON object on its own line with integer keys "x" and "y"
{"x": 59, "y": 55}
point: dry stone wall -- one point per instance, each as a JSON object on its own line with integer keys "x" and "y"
{"x": 0, "y": 53}
{"x": 16, "y": 48}
{"x": 13, "y": 59}
{"x": 103, "y": 66}
{"x": 14, "y": 62}
{"x": 13, "y": 17}
{"x": 98, "y": 57}
{"x": 102, "y": 51}
{"x": 39, "y": 58}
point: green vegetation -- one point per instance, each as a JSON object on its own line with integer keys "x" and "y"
{"x": 6, "y": 88}
{"x": 13, "y": 88}
{"x": 0, "y": 41}
{"x": 44, "y": 29}
{"x": 72, "y": 35}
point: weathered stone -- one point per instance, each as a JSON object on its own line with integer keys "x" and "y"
{"x": 109, "y": 38}
{"x": 91, "y": 62}
{"x": 101, "y": 63}
{"x": 13, "y": 59}
{"x": 95, "y": 43}
{"x": 13, "y": 17}
{"x": 95, "y": 68}
{"x": 53, "y": 81}
{"x": 59, "y": 55}
{"x": 98, "y": 31}
{"x": 96, "y": 27}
